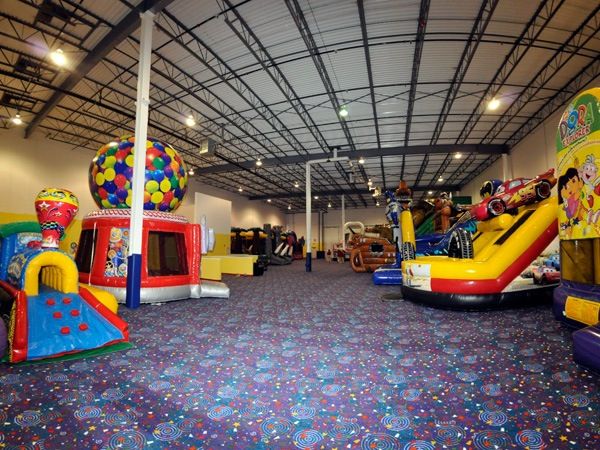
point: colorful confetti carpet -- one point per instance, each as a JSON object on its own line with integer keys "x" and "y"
{"x": 311, "y": 361}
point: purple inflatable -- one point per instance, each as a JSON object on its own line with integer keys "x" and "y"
{"x": 3, "y": 338}
{"x": 586, "y": 347}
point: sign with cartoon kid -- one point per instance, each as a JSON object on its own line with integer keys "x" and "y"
{"x": 578, "y": 148}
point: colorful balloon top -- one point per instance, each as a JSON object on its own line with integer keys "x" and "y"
{"x": 58, "y": 195}
{"x": 111, "y": 175}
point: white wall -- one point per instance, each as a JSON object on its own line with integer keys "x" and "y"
{"x": 244, "y": 213}
{"x": 29, "y": 165}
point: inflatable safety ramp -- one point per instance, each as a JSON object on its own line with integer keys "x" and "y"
{"x": 51, "y": 315}
{"x": 483, "y": 271}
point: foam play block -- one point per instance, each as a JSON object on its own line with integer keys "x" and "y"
{"x": 210, "y": 268}
{"x": 238, "y": 264}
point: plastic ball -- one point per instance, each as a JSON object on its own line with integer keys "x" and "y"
{"x": 111, "y": 174}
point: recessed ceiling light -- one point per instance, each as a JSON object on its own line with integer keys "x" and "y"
{"x": 316, "y": 197}
{"x": 361, "y": 160}
{"x": 343, "y": 112}
{"x": 17, "y": 120}
{"x": 440, "y": 179}
{"x": 458, "y": 155}
{"x": 189, "y": 121}
{"x": 493, "y": 104}
{"x": 258, "y": 162}
{"x": 269, "y": 200}
{"x": 58, "y": 57}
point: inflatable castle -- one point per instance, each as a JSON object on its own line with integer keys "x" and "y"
{"x": 171, "y": 246}
{"x": 50, "y": 313}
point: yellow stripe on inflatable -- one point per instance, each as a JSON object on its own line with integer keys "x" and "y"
{"x": 493, "y": 260}
{"x": 104, "y": 297}
{"x": 66, "y": 281}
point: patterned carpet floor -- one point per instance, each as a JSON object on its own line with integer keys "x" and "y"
{"x": 312, "y": 360}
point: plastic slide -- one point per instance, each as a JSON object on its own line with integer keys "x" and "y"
{"x": 483, "y": 271}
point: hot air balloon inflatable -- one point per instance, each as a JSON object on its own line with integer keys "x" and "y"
{"x": 50, "y": 313}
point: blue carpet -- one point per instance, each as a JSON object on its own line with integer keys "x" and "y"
{"x": 297, "y": 360}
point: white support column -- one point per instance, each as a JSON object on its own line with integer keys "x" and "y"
{"x": 134, "y": 259}
{"x": 309, "y": 203}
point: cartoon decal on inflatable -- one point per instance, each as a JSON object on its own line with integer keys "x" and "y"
{"x": 577, "y": 299}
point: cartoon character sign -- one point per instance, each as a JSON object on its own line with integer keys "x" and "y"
{"x": 578, "y": 148}
{"x": 116, "y": 257}
{"x": 55, "y": 209}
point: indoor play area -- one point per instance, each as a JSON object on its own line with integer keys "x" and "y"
{"x": 314, "y": 225}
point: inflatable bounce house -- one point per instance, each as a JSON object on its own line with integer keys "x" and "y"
{"x": 577, "y": 299}
{"x": 171, "y": 246}
{"x": 515, "y": 224}
{"x": 50, "y": 313}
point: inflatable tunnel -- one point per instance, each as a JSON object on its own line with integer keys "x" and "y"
{"x": 51, "y": 315}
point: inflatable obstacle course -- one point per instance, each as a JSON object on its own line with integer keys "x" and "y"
{"x": 50, "y": 314}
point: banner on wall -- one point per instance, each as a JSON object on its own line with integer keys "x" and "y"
{"x": 578, "y": 152}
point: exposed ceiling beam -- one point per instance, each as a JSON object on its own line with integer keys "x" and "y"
{"x": 366, "y": 192}
{"x": 367, "y": 153}
{"x": 114, "y": 37}
{"x": 538, "y": 22}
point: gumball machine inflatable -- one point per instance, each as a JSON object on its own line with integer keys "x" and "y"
{"x": 170, "y": 244}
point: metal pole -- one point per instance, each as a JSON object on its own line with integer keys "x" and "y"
{"x": 343, "y": 222}
{"x": 309, "y": 203}
{"x": 134, "y": 260}
{"x": 308, "y": 220}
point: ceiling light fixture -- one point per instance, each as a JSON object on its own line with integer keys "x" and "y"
{"x": 296, "y": 184}
{"x": 289, "y": 206}
{"x": 493, "y": 104}
{"x": 316, "y": 197}
{"x": 191, "y": 171}
{"x": 429, "y": 192}
{"x": 329, "y": 205}
{"x": 58, "y": 57}
{"x": 361, "y": 160}
{"x": 269, "y": 200}
{"x": 189, "y": 121}
{"x": 17, "y": 120}
{"x": 343, "y": 111}
{"x": 370, "y": 183}
{"x": 440, "y": 179}
{"x": 377, "y": 204}
{"x": 240, "y": 189}
{"x": 457, "y": 155}
{"x": 258, "y": 162}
